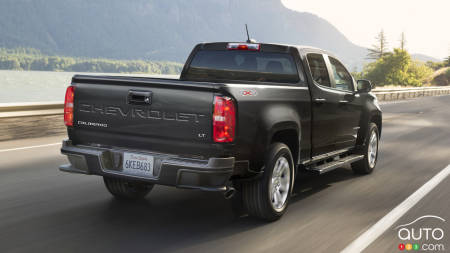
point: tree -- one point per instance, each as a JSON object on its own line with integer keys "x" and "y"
{"x": 402, "y": 41}
{"x": 447, "y": 61}
{"x": 379, "y": 49}
{"x": 397, "y": 69}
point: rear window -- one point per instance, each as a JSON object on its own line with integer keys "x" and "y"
{"x": 236, "y": 65}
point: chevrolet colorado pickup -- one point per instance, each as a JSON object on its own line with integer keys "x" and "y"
{"x": 242, "y": 118}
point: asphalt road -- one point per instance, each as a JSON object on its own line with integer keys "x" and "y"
{"x": 44, "y": 210}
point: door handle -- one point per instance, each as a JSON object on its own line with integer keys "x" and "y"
{"x": 139, "y": 97}
{"x": 320, "y": 100}
{"x": 343, "y": 102}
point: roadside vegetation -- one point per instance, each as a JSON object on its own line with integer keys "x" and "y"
{"x": 441, "y": 77}
{"x": 397, "y": 68}
{"x": 32, "y": 59}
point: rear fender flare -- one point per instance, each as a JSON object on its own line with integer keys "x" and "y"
{"x": 276, "y": 119}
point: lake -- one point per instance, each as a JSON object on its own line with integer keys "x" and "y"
{"x": 42, "y": 86}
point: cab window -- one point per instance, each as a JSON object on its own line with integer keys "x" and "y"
{"x": 319, "y": 69}
{"x": 342, "y": 78}
{"x": 237, "y": 65}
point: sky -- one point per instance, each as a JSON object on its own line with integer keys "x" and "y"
{"x": 426, "y": 23}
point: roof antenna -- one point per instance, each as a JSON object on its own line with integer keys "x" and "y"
{"x": 248, "y": 36}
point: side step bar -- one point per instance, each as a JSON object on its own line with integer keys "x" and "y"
{"x": 321, "y": 169}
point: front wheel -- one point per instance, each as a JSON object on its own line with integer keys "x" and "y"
{"x": 370, "y": 151}
{"x": 125, "y": 189}
{"x": 268, "y": 196}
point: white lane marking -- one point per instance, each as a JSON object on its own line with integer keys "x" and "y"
{"x": 387, "y": 221}
{"x": 29, "y": 147}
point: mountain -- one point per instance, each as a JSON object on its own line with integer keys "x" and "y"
{"x": 161, "y": 30}
{"x": 424, "y": 58}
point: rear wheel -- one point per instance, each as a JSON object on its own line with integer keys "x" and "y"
{"x": 125, "y": 189}
{"x": 268, "y": 196}
{"x": 370, "y": 151}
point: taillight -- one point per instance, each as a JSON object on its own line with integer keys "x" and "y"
{"x": 243, "y": 46}
{"x": 224, "y": 119}
{"x": 68, "y": 106}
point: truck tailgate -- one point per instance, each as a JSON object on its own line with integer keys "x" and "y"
{"x": 142, "y": 113}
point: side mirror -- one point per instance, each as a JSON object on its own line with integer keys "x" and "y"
{"x": 364, "y": 86}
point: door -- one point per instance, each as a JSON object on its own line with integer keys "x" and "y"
{"x": 325, "y": 117}
{"x": 349, "y": 106}
{"x": 332, "y": 106}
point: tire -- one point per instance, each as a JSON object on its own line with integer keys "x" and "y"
{"x": 370, "y": 151}
{"x": 124, "y": 189}
{"x": 257, "y": 196}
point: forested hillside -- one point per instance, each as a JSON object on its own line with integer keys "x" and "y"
{"x": 32, "y": 59}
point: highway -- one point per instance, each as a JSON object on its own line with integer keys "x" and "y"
{"x": 44, "y": 210}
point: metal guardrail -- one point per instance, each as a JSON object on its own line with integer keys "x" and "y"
{"x": 12, "y": 107}
{"x": 406, "y": 93}
{"x": 9, "y": 110}
{"x": 412, "y": 89}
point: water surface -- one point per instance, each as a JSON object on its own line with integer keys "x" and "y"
{"x": 41, "y": 86}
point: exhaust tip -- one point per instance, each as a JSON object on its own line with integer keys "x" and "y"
{"x": 229, "y": 192}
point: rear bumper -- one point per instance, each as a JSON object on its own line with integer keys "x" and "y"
{"x": 212, "y": 174}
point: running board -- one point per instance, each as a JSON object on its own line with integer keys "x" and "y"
{"x": 324, "y": 168}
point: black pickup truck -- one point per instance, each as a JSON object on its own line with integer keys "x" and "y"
{"x": 242, "y": 118}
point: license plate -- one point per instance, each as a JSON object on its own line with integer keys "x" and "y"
{"x": 138, "y": 165}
